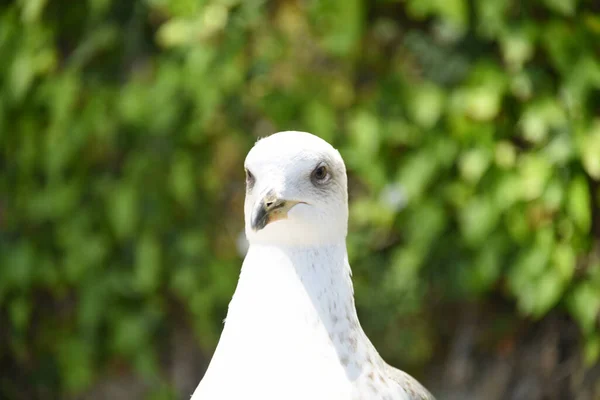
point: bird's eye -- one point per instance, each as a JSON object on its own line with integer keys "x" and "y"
{"x": 249, "y": 179}
{"x": 320, "y": 174}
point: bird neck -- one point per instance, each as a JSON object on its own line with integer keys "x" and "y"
{"x": 293, "y": 319}
{"x": 285, "y": 286}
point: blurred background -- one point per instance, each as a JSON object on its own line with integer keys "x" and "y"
{"x": 470, "y": 129}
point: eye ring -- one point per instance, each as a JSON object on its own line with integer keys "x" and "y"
{"x": 320, "y": 174}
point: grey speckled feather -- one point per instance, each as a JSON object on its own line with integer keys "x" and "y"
{"x": 415, "y": 390}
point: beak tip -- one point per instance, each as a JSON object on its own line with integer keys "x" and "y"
{"x": 260, "y": 220}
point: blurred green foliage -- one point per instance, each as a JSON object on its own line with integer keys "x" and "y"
{"x": 470, "y": 129}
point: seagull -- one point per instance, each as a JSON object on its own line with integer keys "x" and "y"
{"x": 292, "y": 331}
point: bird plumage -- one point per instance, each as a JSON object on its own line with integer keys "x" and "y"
{"x": 292, "y": 330}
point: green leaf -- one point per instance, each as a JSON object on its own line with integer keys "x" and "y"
{"x": 591, "y": 350}
{"x": 122, "y": 209}
{"x": 426, "y": 105}
{"x": 534, "y": 174}
{"x": 20, "y": 313}
{"x": 584, "y": 305}
{"x": 344, "y": 25}
{"x": 473, "y": 164}
{"x": 76, "y": 363}
{"x": 54, "y": 201}
{"x": 564, "y": 7}
{"x": 365, "y": 134}
{"x": 517, "y": 48}
{"x": 147, "y": 264}
{"x": 590, "y": 148}
{"x": 564, "y": 260}
{"x": 181, "y": 179}
{"x": 18, "y": 269}
{"x": 477, "y": 220}
{"x": 540, "y": 117}
{"x": 175, "y": 32}
{"x": 547, "y": 292}
{"x": 531, "y": 263}
{"x": 492, "y": 16}
{"x": 505, "y": 154}
{"x": 32, "y": 10}
{"x": 320, "y": 118}
{"x": 487, "y": 266}
{"x": 579, "y": 207}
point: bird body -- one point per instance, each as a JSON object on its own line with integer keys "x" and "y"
{"x": 292, "y": 331}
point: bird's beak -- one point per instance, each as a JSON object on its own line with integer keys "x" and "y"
{"x": 270, "y": 209}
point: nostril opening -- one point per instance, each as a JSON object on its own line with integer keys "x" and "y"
{"x": 269, "y": 203}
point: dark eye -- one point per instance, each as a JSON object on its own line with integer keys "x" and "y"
{"x": 249, "y": 179}
{"x": 320, "y": 174}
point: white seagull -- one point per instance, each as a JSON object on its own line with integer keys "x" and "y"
{"x": 291, "y": 330}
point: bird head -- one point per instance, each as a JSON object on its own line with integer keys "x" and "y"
{"x": 296, "y": 191}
